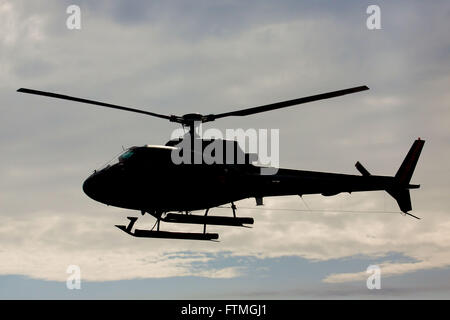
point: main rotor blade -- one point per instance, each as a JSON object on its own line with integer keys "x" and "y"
{"x": 288, "y": 103}
{"x": 98, "y": 103}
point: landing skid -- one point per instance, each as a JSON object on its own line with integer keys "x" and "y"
{"x": 211, "y": 220}
{"x": 185, "y": 218}
{"x": 205, "y": 219}
{"x": 139, "y": 233}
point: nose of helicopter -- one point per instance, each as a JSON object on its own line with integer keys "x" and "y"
{"x": 91, "y": 187}
{"x": 87, "y": 186}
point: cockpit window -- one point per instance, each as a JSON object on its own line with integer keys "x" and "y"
{"x": 127, "y": 155}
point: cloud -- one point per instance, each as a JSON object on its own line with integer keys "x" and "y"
{"x": 392, "y": 269}
{"x": 44, "y": 246}
{"x": 14, "y": 29}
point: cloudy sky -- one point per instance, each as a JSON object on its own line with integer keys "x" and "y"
{"x": 176, "y": 57}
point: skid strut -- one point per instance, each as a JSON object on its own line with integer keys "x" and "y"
{"x": 204, "y": 225}
{"x": 233, "y": 207}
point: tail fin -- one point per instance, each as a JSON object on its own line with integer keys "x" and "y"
{"x": 400, "y": 190}
{"x": 405, "y": 172}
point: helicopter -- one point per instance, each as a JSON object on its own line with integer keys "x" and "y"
{"x": 146, "y": 179}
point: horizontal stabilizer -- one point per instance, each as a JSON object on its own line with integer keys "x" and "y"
{"x": 361, "y": 169}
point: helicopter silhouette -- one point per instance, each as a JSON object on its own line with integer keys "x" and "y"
{"x": 145, "y": 178}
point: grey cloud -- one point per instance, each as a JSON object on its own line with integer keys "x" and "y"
{"x": 33, "y": 68}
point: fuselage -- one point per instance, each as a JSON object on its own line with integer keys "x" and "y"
{"x": 146, "y": 178}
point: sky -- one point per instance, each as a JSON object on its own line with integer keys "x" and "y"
{"x": 177, "y": 57}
